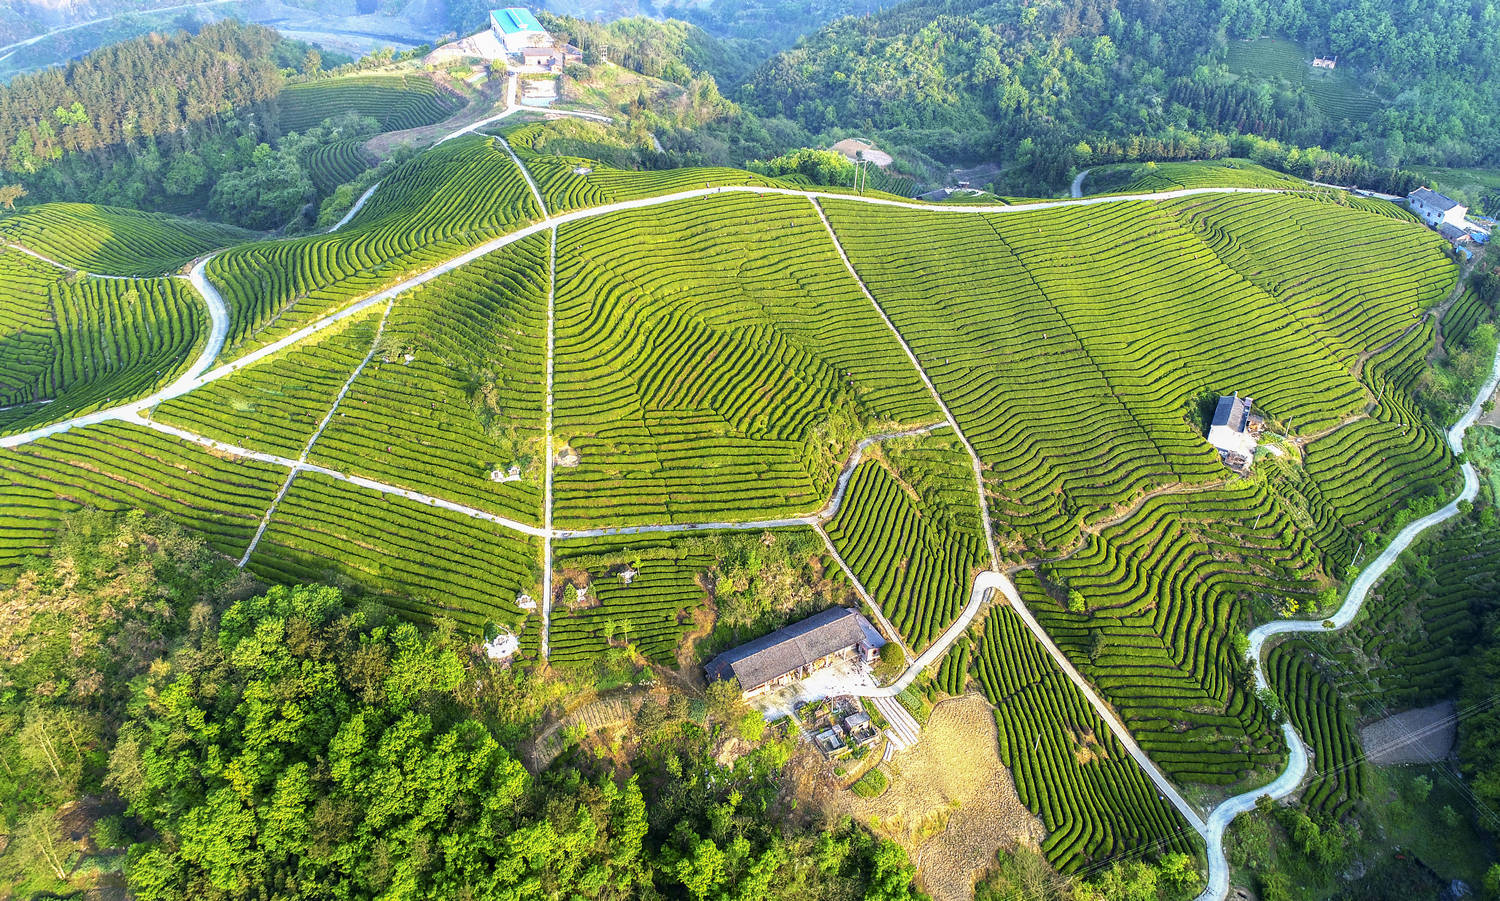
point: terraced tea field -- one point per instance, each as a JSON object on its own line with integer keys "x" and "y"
{"x": 1068, "y": 768}
{"x": 910, "y": 532}
{"x": 447, "y": 200}
{"x": 72, "y": 344}
{"x": 336, "y": 163}
{"x": 1126, "y": 315}
{"x": 395, "y": 101}
{"x": 715, "y": 361}
{"x": 572, "y": 183}
{"x": 118, "y": 467}
{"x": 1337, "y": 93}
{"x": 1142, "y": 178}
{"x": 423, "y": 561}
{"x": 1161, "y": 592}
{"x": 115, "y": 240}
{"x": 649, "y": 389}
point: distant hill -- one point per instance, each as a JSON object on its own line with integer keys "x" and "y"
{"x": 976, "y": 78}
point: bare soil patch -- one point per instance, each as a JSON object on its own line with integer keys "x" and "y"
{"x": 951, "y": 802}
{"x": 1424, "y": 735}
{"x": 486, "y": 103}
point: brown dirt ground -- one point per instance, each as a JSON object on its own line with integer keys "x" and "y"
{"x": 951, "y": 802}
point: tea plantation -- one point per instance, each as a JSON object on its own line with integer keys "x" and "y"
{"x": 69, "y": 343}
{"x": 115, "y": 240}
{"x": 395, "y": 101}
{"x": 667, "y": 426}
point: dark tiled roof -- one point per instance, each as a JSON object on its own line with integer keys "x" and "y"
{"x": 1431, "y": 198}
{"x": 785, "y": 650}
{"x": 1451, "y": 232}
{"x": 1231, "y": 412}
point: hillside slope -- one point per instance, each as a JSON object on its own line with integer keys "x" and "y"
{"x": 660, "y": 362}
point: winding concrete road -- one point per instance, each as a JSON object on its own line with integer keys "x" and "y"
{"x": 1297, "y": 763}
{"x": 353, "y": 210}
{"x": 9, "y": 49}
{"x": 1077, "y": 189}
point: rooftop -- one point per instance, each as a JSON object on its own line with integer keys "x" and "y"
{"x": 515, "y": 20}
{"x": 1431, "y": 198}
{"x": 1231, "y": 411}
{"x": 787, "y": 649}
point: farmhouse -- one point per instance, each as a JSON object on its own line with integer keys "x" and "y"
{"x": 537, "y": 56}
{"x": 1324, "y": 62}
{"x": 1453, "y": 234}
{"x": 835, "y": 635}
{"x": 518, "y": 29}
{"x": 1229, "y": 431}
{"x": 1437, "y": 209}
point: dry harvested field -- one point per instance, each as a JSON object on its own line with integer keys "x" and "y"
{"x": 951, "y": 803}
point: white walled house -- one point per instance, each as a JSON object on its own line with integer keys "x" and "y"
{"x": 518, "y": 29}
{"x": 1437, "y": 209}
{"x": 1229, "y": 431}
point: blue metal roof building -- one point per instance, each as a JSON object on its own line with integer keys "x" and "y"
{"x": 517, "y": 29}
{"x": 514, "y": 20}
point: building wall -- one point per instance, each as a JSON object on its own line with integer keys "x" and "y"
{"x": 1455, "y": 217}
{"x": 1227, "y": 439}
{"x": 515, "y": 43}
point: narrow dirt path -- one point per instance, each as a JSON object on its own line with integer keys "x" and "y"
{"x": 313, "y": 439}
{"x": 21, "y": 248}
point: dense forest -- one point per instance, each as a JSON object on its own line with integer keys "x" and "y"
{"x": 183, "y": 122}
{"x": 165, "y": 721}
{"x": 974, "y": 78}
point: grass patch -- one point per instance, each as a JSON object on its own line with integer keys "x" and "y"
{"x": 871, "y": 785}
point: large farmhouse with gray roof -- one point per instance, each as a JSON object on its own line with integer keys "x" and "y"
{"x": 835, "y": 635}
{"x": 1437, "y": 209}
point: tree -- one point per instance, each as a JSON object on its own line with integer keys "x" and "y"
{"x": 345, "y": 749}
{"x": 265, "y": 194}
{"x": 703, "y": 872}
{"x": 9, "y": 194}
{"x": 312, "y": 62}
{"x": 725, "y": 699}
{"x": 1421, "y": 789}
{"x": 890, "y": 663}
{"x": 1076, "y": 602}
{"x": 185, "y": 175}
